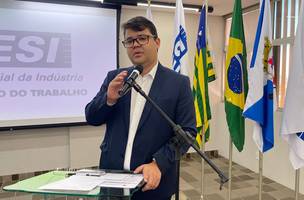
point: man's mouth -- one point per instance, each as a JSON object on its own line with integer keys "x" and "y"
{"x": 137, "y": 54}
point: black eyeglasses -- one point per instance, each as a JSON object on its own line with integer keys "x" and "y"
{"x": 140, "y": 39}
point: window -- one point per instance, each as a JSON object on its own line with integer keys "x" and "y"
{"x": 285, "y": 20}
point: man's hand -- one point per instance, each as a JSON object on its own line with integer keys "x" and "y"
{"x": 151, "y": 173}
{"x": 114, "y": 87}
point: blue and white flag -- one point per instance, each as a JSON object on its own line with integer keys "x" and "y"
{"x": 259, "y": 102}
{"x": 292, "y": 129}
{"x": 180, "y": 48}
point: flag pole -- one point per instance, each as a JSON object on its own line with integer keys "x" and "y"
{"x": 260, "y": 174}
{"x": 297, "y": 184}
{"x": 230, "y": 169}
{"x": 203, "y": 168}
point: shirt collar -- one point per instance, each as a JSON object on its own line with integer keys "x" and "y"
{"x": 152, "y": 72}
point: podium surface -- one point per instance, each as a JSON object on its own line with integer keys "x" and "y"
{"x": 33, "y": 184}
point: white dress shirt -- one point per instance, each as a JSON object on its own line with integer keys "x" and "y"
{"x": 137, "y": 105}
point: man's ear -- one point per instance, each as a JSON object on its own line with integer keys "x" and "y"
{"x": 157, "y": 41}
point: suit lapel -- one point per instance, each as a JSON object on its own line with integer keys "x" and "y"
{"x": 127, "y": 105}
{"x": 153, "y": 94}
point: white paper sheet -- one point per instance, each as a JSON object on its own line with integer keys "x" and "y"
{"x": 120, "y": 180}
{"x": 88, "y": 181}
{"x": 74, "y": 183}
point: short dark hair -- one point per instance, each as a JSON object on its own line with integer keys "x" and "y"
{"x": 140, "y": 23}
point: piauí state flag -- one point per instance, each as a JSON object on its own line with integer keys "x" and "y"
{"x": 236, "y": 83}
{"x": 259, "y": 102}
{"x": 200, "y": 81}
{"x": 180, "y": 47}
{"x": 292, "y": 129}
{"x": 211, "y": 71}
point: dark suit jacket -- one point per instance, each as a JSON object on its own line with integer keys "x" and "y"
{"x": 172, "y": 92}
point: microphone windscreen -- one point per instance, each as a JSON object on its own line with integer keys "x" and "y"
{"x": 140, "y": 68}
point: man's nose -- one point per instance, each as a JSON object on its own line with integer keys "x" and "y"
{"x": 136, "y": 43}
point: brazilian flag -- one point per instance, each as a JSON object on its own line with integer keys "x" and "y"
{"x": 203, "y": 68}
{"x": 236, "y": 83}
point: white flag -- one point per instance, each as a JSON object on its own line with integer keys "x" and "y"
{"x": 293, "y": 113}
{"x": 259, "y": 102}
{"x": 180, "y": 48}
{"x": 149, "y": 13}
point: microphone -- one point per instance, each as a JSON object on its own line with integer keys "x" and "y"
{"x": 130, "y": 80}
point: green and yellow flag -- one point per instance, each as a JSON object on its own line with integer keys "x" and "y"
{"x": 236, "y": 83}
{"x": 211, "y": 72}
{"x": 203, "y": 73}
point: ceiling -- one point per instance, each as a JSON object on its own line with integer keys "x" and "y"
{"x": 221, "y": 7}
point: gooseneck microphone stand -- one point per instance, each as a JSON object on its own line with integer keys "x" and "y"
{"x": 181, "y": 137}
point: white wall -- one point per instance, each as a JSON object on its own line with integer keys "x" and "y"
{"x": 33, "y": 150}
{"x": 44, "y": 149}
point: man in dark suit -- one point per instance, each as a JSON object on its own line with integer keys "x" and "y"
{"x": 137, "y": 137}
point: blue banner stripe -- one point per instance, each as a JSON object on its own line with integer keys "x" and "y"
{"x": 262, "y": 113}
{"x": 301, "y": 135}
{"x": 258, "y": 36}
{"x": 267, "y": 128}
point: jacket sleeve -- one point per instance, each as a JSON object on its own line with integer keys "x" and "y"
{"x": 97, "y": 111}
{"x": 185, "y": 117}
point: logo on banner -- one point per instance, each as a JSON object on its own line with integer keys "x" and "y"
{"x": 301, "y": 135}
{"x": 35, "y": 49}
{"x": 180, "y": 48}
